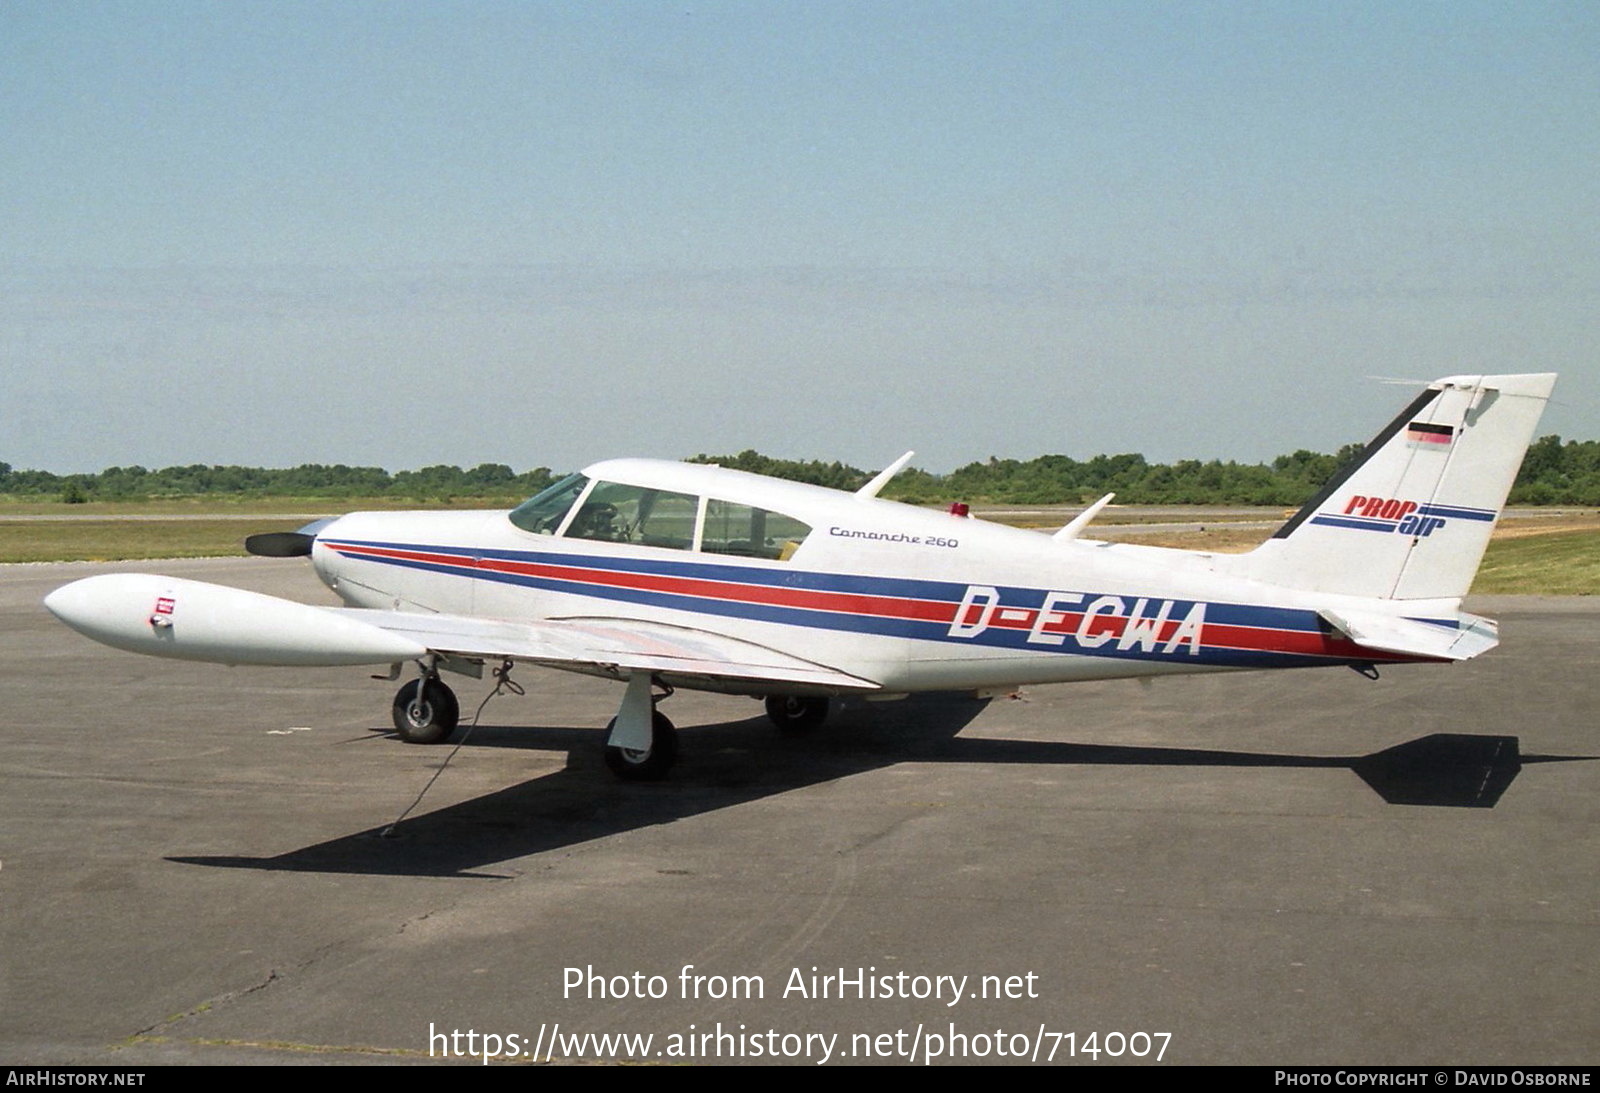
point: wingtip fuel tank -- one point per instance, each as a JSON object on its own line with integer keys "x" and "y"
{"x": 193, "y": 620}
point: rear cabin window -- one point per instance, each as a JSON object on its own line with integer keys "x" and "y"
{"x": 749, "y": 532}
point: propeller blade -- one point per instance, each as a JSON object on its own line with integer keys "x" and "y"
{"x": 280, "y": 544}
{"x": 287, "y": 544}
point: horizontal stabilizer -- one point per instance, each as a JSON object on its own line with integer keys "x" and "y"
{"x": 1468, "y": 637}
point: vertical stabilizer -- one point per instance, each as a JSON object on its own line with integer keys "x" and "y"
{"x": 1411, "y": 517}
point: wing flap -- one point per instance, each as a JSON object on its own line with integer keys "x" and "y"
{"x": 627, "y": 645}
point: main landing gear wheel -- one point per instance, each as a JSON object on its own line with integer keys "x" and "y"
{"x": 632, "y": 765}
{"x": 425, "y": 712}
{"x": 796, "y": 715}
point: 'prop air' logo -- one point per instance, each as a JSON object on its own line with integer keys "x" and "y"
{"x": 1391, "y": 514}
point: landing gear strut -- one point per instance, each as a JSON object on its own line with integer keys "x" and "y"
{"x": 641, "y": 744}
{"x": 425, "y": 711}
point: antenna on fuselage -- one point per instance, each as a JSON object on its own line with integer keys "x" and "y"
{"x": 1081, "y": 521}
{"x": 881, "y": 479}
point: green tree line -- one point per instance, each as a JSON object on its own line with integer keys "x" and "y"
{"x": 1554, "y": 472}
{"x": 308, "y": 480}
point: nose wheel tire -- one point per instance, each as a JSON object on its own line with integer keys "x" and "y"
{"x": 651, "y": 765}
{"x": 796, "y": 714}
{"x": 425, "y": 712}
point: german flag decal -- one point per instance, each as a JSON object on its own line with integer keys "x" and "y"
{"x": 1422, "y": 432}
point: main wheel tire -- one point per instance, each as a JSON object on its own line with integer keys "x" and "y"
{"x": 795, "y": 714}
{"x": 645, "y": 766}
{"x": 428, "y": 719}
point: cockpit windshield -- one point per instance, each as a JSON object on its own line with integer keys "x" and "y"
{"x": 542, "y": 513}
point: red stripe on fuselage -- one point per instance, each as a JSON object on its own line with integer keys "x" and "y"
{"x": 850, "y": 603}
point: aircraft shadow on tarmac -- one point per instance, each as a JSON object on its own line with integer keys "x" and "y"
{"x": 736, "y": 762}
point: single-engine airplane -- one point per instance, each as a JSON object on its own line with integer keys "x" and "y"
{"x": 664, "y": 575}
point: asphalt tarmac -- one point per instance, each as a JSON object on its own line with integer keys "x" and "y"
{"x": 1275, "y": 868}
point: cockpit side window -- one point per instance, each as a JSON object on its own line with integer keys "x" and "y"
{"x": 618, "y": 513}
{"x": 750, "y": 532}
{"x": 542, "y": 513}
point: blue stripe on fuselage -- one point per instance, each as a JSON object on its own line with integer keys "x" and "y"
{"x": 945, "y": 593}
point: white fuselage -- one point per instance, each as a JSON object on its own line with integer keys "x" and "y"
{"x": 969, "y": 604}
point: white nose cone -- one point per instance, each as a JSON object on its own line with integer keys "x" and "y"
{"x": 193, "y": 620}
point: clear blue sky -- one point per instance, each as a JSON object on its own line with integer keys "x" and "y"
{"x": 541, "y": 234}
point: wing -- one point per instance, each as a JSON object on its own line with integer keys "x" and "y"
{"x": 609, "y": 646}
{"x": 194, "y": 620}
